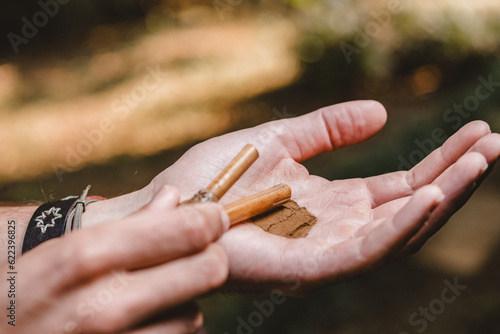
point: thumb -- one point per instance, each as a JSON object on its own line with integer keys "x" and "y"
{"x": 333, "y": 127}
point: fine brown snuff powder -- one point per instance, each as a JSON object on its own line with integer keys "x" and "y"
{"x": 289, "y": 220}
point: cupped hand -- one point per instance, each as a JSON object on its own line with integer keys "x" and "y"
{"x": 136, "y": 275}
{"x": 362, "y": 223}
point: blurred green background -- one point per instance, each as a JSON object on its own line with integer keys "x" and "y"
{"x": 219, "y": 66}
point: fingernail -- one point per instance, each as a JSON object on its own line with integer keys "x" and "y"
{"x": 163, "y": 198}
{"x": 436, "y": 203}
{"x": 484, "y": 168}
{"x": 433, "y": 207}
{"x": 439, "y": 192}
{"x": 160, "y": 194}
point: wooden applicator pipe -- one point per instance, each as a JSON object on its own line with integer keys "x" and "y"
{"x": 236, "y": 168}
{"x": 254, "y": 205}
{"x": 227, "y": 177}
{"x": 247, "y": 207}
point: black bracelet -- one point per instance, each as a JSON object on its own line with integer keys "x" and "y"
{"x": 48, "y": 222}
{"x": 53, "y": 219}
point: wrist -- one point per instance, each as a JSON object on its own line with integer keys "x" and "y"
{"x": 116, "y": 208}
{"x": 21, "y": 216}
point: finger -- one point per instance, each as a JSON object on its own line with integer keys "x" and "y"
{"x": 454, "y": 172}
{"x": 365, "y": 253}
{"x": 458, "y": 184}
{"x": 159, "y": 288}
{"x": 149, "y": 239}
{"x": 140, "y": 240}
{"x": 332, "y": 127}
{"x": 390, "y": 208}
{"x": 166, "y": 198}
{"x": 488, "y": 146}
{"x": 396, "y": 231}
{"x": 442, "y": 158}
{"x": 298, "y": 138}
{"x": 391, "y": 186}
{"x": 183, "y": 319}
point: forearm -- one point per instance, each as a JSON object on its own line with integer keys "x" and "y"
{"x": 96, "y": 213}
{"x": 13, "y": 223}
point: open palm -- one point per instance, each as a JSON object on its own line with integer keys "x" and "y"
{"x": 362, "y": 223}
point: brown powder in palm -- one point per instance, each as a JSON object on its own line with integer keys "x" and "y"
{"x": 289, "y": 220}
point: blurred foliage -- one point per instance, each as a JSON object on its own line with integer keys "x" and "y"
{"x": 418, "y": 59}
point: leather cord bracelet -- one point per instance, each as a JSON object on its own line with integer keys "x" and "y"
{"x": 75, "y": 215}
{"x": 54, "y": 219}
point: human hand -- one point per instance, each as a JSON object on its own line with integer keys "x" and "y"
{"x": 362, "y": 223}
{"x": 136, "y": 275}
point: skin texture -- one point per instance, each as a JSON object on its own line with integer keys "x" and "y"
{"x": 136, "y": 275}
{"x": 362, "y": 223}
{"x": 168, "y": 255}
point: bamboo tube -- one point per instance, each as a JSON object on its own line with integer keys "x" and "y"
{"x": 227, "y": 177}
{"x": 239, "y": 165}
{"x": 251, "y": 206}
